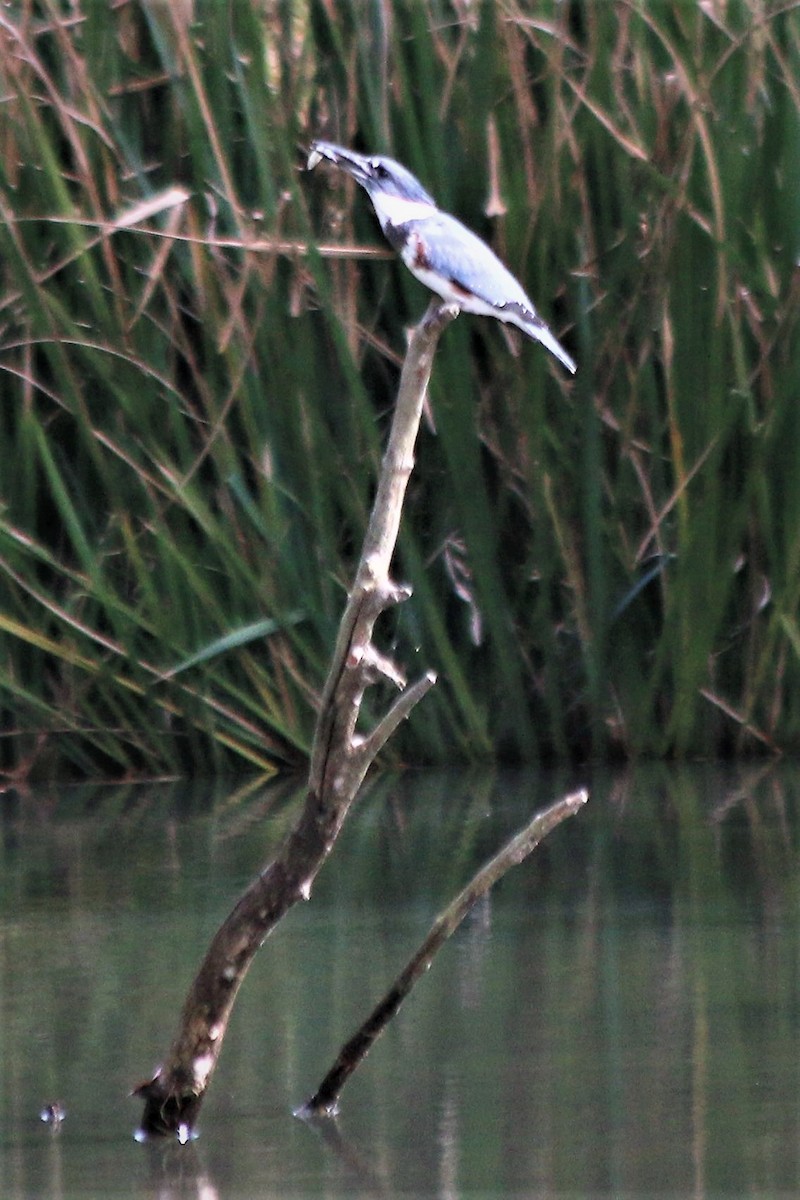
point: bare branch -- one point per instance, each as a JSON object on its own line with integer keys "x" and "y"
{"x": 372, "y": 745}
{"x": 339, "y": 761}
{"x": 325, "y": 1100}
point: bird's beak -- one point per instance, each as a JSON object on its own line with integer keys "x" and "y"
{"x": 346, "y": 160}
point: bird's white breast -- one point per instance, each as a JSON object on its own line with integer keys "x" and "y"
{"x": 396, "y": 210}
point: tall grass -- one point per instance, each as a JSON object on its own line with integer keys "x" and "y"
{"x": 199, "y": 346}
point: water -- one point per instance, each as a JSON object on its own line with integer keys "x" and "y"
{"x": 619, "y": 1018}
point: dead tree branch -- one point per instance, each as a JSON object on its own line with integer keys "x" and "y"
{"x": 325, "y": 1101}
{"x": 340, "y": 759}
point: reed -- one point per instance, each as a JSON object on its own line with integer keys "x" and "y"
{"x": 196, "y": 379}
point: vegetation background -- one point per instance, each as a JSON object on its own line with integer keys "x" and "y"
{"x": 199, "y": 347}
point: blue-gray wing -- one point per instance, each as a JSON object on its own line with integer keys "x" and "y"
{"x": 455, "y": 252}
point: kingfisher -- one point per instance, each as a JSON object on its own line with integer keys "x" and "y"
{"x": 442, "y": 253}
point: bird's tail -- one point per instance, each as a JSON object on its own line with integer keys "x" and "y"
{"x": 531, "y": 323}
{"x": 541, "y": 332}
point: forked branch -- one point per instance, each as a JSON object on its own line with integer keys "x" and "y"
{"x": 339, "y": 761}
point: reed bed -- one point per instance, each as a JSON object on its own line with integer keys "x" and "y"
{"x": 199, "y": 348}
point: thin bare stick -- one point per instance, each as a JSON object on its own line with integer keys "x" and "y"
{"x": 325, "y": 1101}
{"x": 339, "y": 761}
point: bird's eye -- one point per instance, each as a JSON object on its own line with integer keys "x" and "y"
{"x": 379, "y": 169}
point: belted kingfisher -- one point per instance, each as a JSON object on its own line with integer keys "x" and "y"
{"x": 443, "y": 254}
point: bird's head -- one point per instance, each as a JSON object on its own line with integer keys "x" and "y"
{"x": 391, "y": 188}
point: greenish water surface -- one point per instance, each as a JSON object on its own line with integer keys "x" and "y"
{"x": 619, "y": 1018}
